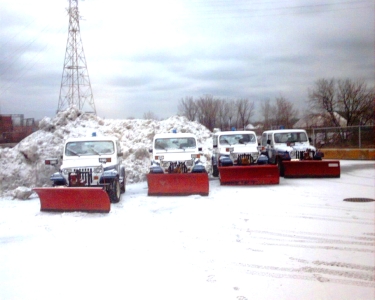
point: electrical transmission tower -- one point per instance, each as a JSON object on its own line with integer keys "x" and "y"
{"x": 75, "y": 87}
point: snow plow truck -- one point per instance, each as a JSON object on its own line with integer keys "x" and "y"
{"x": 292, "y": 152}
{"x": 176, "y": 168}
{"x": 91, "y": 176}
{"x": 236, "y": 160}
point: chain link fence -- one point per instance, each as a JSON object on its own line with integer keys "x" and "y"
{"x": 343, "y": 137}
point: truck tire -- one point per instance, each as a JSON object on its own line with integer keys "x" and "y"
{"x": 123, "y": 184}
{"x": 280, "y": 166}
{"x": 215, "y": 171}
{"x": 114, "y": 191}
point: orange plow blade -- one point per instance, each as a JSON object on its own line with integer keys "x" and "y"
{"x": 93, "y": 199}
{"x": 178, "y": 184}
{"x": 312, "y": 169}
{"x": 249, "y": 175}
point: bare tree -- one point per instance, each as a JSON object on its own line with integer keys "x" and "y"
{"x": 356, "y": 102}
{"x": 322, "y": 99}
{"x": 245, "y": 110}
{"x": 266, "y": 113}
{"x": 284, "y": 112}
{"x": 222, "y": 114}
{"x": 353, "y": 100}
{"x": 207, "y": 111}
{"x": 149, "y": 116}
{"x": 188, "y": 108}
{"x": 231, "y": 109}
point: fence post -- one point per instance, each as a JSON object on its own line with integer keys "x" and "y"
{"x": 313, "y": 137}
{"x": 359, "y": 136}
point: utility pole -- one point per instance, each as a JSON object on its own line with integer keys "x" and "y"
{"x": 75, "y": 87}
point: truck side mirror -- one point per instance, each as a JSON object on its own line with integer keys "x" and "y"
{"x": 150, "y": 150}
{"x": 214, "y": 146}
{"x": 268, "y": 142}
{"x": 200, "y": 149}
{"x": 310, "y": 140}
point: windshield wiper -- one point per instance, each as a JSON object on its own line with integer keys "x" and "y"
{"x": 74, "y": 152}
{"x": 97, "y": 152}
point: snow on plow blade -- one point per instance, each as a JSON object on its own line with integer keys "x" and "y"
{"x": 93, "y": 199}
{"x": 312, "y": 169}
{"x": 249, "y": 175}
{"x": 178, "y": 184}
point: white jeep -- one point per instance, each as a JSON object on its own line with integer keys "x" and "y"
{"x": 91, "y": 162}
{"x": 288, "y": 144}
{"x": 235, "y": 148}
{"x": 176, "y": 153}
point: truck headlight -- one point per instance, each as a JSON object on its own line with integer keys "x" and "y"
{"x": 67, "y": 171}
{"x": 98, "y": 169}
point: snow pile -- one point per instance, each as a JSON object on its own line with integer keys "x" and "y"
{"x": 23, "y": 165}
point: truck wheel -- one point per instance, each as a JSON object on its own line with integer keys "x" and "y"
{"x": 114, "y": 191}
{"x": 123, "y": 184}
{"x": 215, "y": 171}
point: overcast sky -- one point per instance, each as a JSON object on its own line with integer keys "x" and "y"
{"x": 148, "y": 55}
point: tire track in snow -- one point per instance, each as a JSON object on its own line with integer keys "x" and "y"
{"x": 333, "y": 219}
{"x": 303, "y": 238}
{"x": 358, "y": 278}
{"x": 318, "y": 270}
{"x": 322, "y": 247}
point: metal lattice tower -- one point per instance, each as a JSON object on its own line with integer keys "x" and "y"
{"x": 75, "y": 87}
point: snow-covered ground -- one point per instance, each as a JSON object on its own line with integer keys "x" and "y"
{"x": 295, "y": 240}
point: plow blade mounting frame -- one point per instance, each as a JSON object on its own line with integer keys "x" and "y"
{"x": 249, "y": 175}
{"x": 182, "y": 184}
{"x": 65, "y": 199}
{"x": 312, "y": 169}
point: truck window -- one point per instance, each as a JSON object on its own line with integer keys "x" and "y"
{"x": 237, "y": 139}
{"x": 174, "y": 143}
{"x": 87, "y": 148}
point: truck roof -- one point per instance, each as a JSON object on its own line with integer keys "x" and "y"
{"x": 92, "y": 138}
{"x": 229, "y": 132}
{"x": 284, "y": 130}
{"x": 172, "y": 135}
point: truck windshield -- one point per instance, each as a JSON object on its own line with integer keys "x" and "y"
{"x": 174, "y": 143}
{"x": 237, "y": 139}
{"x": 290, "y": 137}
{"x": 85, "y": 148}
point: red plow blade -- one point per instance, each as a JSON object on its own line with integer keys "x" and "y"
{"x": 312, "y": 169}
{"x": 178, "y": 184}
{"x": 249, "y": 175}
{"x": 93, "y": 199}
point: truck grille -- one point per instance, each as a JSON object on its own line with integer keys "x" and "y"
{"x": 305, "y": 155}
{"x": 84, "y": 175}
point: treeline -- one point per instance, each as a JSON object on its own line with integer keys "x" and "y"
{"x": 225, "y": 113}
{"x": 329, "y": 99}
{"x": 352, "y": 100}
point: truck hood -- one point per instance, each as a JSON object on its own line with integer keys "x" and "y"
{"x": 240, "y": 149}
{"x": 89, "y": 161}
{"x": 294, "y": 147}
{"x": 176, "y": 155}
